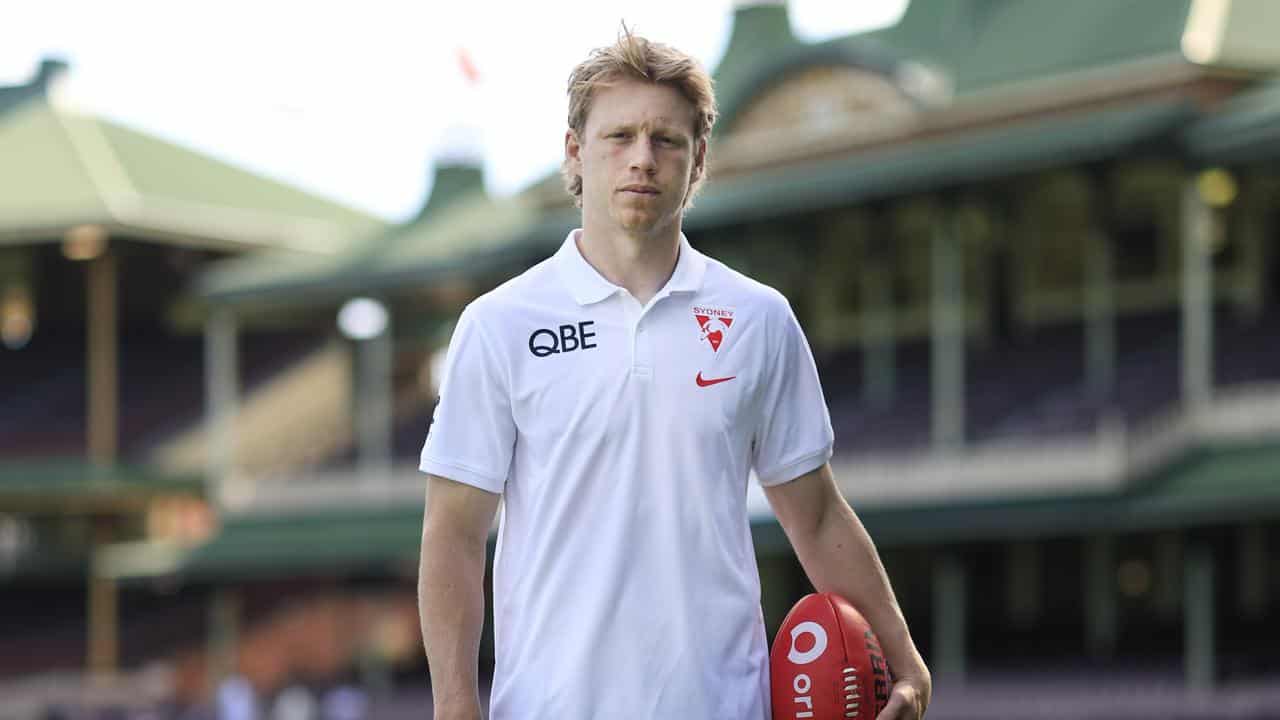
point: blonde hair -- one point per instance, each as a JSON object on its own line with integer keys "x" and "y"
{"x": 634, "y": 57}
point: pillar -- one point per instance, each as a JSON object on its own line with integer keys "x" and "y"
{"x": 950, "y": 613}
{"x": 221, "y": 372}
{"x": 1198, "y": 619}
{"x": 1100, "y": 597}
{"x": 1197, "y": 227}
{"x": 374, "y": 405}
{"x": 103, "y": 611}
{"x": 947, "y": 319}
{"x": 878, "y": 371}
{"x": 1253, "y": 562}
{"x": 1100, "y": 314}
{"x": 103, "y": 360}
{"x": 1169, "y": 568}
{"x": 224, "y": 634}
{"x": 1024, "y": 598}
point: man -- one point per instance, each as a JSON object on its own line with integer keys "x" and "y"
{"x": 616, "y": 397}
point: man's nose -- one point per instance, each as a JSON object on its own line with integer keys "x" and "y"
{"x": 642, "y": 155}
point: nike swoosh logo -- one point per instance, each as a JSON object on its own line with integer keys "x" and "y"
{"x": 708, "y": 382}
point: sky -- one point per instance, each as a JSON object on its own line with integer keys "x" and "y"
{"x": 353, "y": 101}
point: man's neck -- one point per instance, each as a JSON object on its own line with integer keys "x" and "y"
{"x": 642, "y": 264}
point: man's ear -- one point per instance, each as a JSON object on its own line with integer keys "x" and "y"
{"x": 572, "y": 150}
{"x": 699, "y": 159}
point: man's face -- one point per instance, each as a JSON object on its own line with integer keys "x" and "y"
{"x": 637, "y": 156}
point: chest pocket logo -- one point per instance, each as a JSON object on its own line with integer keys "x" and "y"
{"x": 566, "y": 338}
{"x": 714, "y": 324}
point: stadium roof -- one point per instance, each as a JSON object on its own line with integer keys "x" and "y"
{"x": 479, "y": 232}
{"x": 978, "y": 45}
{"x": 949, "y": 161}
{"x": 459, "y": 226}
{"x": 1246, "y": 130}
{"x": 63, "y": 168}
{"x": 75, "y": 486}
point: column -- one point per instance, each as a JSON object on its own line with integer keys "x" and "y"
{"x": 1100, "y": 597}
{"x": 224, "y": 635}
{"x": 950, "y": 612}
{"x": 374, "y": 407}
{"x": 947, "y": 317}
{"x": 1100, "y": 321}
{"x": 103, "y": 610}
{"x": 1197, "y": 223}
{"x": 221, "y": 373}
{"x": 1253, "y": 591}
{"x": 1169, "y": 580}
{"x": 103, "y": 361}
{"x": 1024, "y": 589}
{"x": 1198, "y": 619}
{"x": 1250, "y": 271}
{"x": 878, "y": 371}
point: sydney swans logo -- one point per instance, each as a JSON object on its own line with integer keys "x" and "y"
{"x": 714, "y": 324}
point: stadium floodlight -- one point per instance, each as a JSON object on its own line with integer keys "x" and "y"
{"x": 362, "y": 318}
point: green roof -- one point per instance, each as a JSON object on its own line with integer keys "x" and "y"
{"x": 1207, "y": 487}
{"x": 976, "y": 44}
{"x": 480, "y": 233}
{"x": 43, "y": 180}
{"x": 1245, "y": 130}
{"x": 63, "y": 168}
{"x": 69, "y": 485}
{"x": 472, "y": 227}
{"x": 985, "y": 43}
{"x": 951, "y": 161}
{"x": 980, "y": 43}
{"x": 761, "y": 33}
{"x": 298, "y": 544}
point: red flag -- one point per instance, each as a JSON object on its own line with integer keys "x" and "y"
{"x": 468, "y": 67}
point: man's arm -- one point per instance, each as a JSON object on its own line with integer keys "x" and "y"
{"x": 839, "y": 557}
{"x": 455, "y": 529}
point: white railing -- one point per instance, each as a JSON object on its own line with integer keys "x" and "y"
{"x": 1104, "y": 461}
{"x": 82, "y": 695}
{"x": 346, "y": 488}
{"x": 1100, "y": 462}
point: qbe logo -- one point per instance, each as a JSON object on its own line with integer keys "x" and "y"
{"x": 566, "y": 338}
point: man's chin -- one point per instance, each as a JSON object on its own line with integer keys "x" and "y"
{"x": 642, "y": 223}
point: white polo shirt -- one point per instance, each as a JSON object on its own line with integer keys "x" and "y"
{"x": 622, "y": 438}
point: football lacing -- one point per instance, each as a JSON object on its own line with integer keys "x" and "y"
{"x": 851, "y": 692}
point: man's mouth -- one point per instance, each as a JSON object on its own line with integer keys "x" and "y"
{"x": 640, "y": 189}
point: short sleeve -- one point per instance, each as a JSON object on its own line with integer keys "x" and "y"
{"x": 794, "y": 434}
{"x": 473, "y": 433}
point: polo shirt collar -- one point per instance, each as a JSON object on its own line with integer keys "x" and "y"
{"x": 588, "y": 286}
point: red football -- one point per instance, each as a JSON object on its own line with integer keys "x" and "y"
{"x": 826, "y": 663}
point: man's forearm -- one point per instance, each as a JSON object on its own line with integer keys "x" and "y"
{"x": 451, "y": 610}
{"x": 841, "y": 558}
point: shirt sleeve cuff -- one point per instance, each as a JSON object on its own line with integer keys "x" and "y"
{"x": 794, "y": 469}
{"x": 462, "y": 474}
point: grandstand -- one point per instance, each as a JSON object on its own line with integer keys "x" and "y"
{"x": 1040, "y": 272}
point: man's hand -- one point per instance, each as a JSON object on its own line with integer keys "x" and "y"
{"x": 839, "y": 557}
{"x": 455, "y": 525}
{"x": 908, "y": 701}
